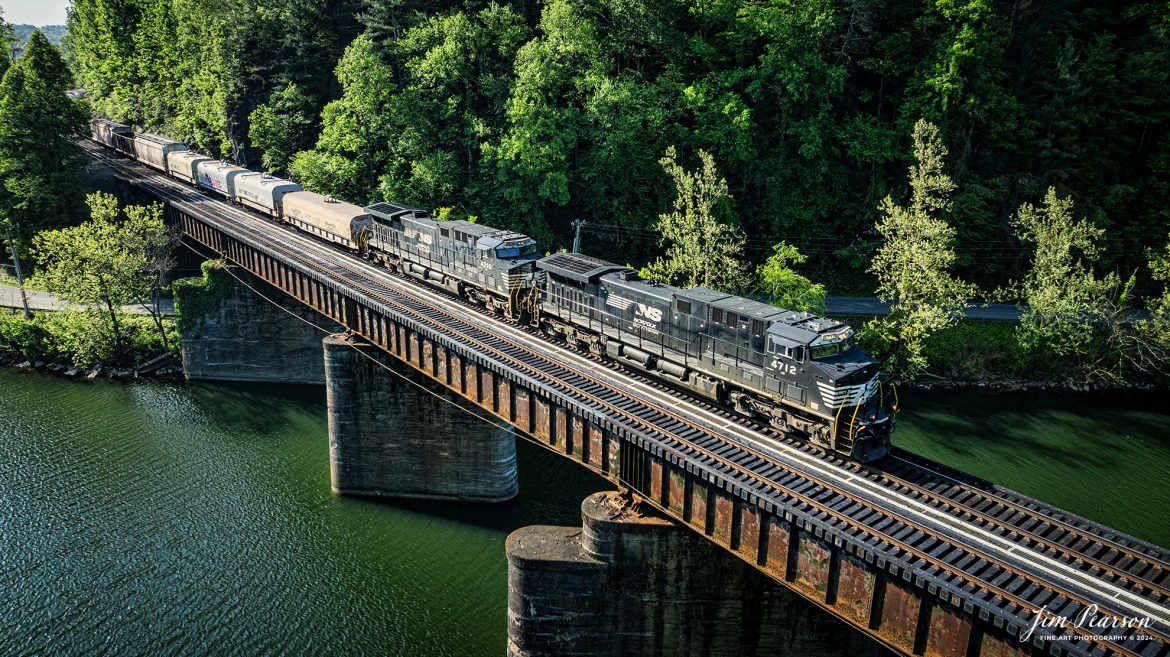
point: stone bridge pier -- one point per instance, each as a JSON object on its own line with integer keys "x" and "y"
{"x": 392, "y": 433}
{"x": 625, "y": 583}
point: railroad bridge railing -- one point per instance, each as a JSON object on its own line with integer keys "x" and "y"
{"x": 908, "y": 585}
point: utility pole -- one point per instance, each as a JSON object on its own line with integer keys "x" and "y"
{"x": 19, "y": 276}
{"x": 577, "y": 223}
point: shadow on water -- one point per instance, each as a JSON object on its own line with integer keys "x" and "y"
{"x": 551, "y": 487}
{"x": 1099, "y": 454}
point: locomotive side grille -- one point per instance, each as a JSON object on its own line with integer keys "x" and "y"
{"x": 838, "y": 396}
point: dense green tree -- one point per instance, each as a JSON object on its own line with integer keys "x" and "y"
{"x": 284, "y": 126}
{"x": 913, "y": 264}
{"x": 8, "y": 44}
{"x": 39, "y": 161}
{"x": 702, "y": 248}
{"x": 534, "y": 114}
{"x": 785, "y": 287}
{"x": 109, "y": 260}
{"x": 357, "y": 129}
{"x": 1064, "y": 299}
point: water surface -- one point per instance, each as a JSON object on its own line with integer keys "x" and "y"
{"x": 148, "y": 519}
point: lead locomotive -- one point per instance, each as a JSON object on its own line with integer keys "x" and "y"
{"x": 798, "y": 371}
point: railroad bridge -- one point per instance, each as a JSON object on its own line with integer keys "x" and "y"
{"x": 922, "y": 559}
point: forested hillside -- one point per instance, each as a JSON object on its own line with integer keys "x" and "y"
{"x": 530, "y": 114}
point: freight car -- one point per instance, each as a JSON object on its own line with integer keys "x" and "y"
{"x": 797, "y": 371}
{"x": 263, "y": 192}
{"x": 113, "y": 135}
{"x": 327, "y": 218}
{"x": 153, "y": 150}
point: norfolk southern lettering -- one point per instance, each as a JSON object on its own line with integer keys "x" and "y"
{"x": 798, "y": 371}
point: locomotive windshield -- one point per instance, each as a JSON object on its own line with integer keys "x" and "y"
{"x": 827, "y": 351}
{"x": 515, "y": 250}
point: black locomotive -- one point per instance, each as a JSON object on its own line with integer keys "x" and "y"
{"x": 798, "y": 371}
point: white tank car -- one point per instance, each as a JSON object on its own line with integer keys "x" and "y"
{"x": 219, "y": 177}
{"x": 326, "y": 217}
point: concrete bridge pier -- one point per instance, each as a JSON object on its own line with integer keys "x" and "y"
{"x": 389, "y": 437}
{"x": 630, "y": 584}
{"x": 236, "y": 332}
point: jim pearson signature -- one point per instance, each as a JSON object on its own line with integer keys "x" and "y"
{"x": 1104, "y": 626}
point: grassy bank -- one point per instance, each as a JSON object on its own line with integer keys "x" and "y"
{"x": 81, "y": 338}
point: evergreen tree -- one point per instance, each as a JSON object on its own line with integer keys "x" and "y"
{"x": 39, "y": 159}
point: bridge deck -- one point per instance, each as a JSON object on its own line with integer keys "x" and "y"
{"x": 995, "y": 555}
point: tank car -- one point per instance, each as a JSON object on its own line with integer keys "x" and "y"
{"x": 798, "y": 371}
{"x": 492, "y": 267}
{"x": 327, "y": 218}
{"x": 153, "y": 150}
{"x": 263, "y": 192}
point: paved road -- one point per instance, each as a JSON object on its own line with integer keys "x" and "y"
{"x": 996, "y": 312}
{"x": 37, "y": 300}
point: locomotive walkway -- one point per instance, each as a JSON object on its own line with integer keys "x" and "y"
{"x": 925, "y": 560}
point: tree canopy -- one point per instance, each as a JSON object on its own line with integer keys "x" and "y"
{"x": 39, "y": 161}
{"x": 531, "y": 115}
{"x": 110, "y": 260}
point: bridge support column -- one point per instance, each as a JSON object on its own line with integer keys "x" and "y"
{"x": 389, "y": 438}
{"x": 231, "y": 333}
{"x": 628, "y": 584}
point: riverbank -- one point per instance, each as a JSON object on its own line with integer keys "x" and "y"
{"x": 163, "y": 367}
{"x": 71, "y": 339}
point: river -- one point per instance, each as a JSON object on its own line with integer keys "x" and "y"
{"x": 149, "y": 518}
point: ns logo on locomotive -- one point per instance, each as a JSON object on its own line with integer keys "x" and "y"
{"x": 797, "y": 371}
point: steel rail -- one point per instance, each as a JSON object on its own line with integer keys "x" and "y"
{"x": 977, "y": 496}
{"x": 693, "y": 425}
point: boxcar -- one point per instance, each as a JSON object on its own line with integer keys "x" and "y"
{"x": 153, "y": 150}
{"x": 218, "y": 176}
{"x": 326, "y": 217}
{"x": 182, "y": 164}
{"x": 263, "y": 192}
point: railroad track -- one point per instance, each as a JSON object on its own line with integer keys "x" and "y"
{"x": 900, "y": 533}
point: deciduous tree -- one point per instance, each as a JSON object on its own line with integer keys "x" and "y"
{"x": 913, "y": 264}
{"x": 1064, "y": 299}
{"x": 702, "y": 250}
{"x": 785, "y": 287}
{"x": 108, "y": 261}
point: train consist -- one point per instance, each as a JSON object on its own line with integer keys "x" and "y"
{"x": 798, "y": 371}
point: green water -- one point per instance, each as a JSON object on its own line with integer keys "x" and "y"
{"x": 1103, "y": 455}
{"x": 150, "y": 519}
